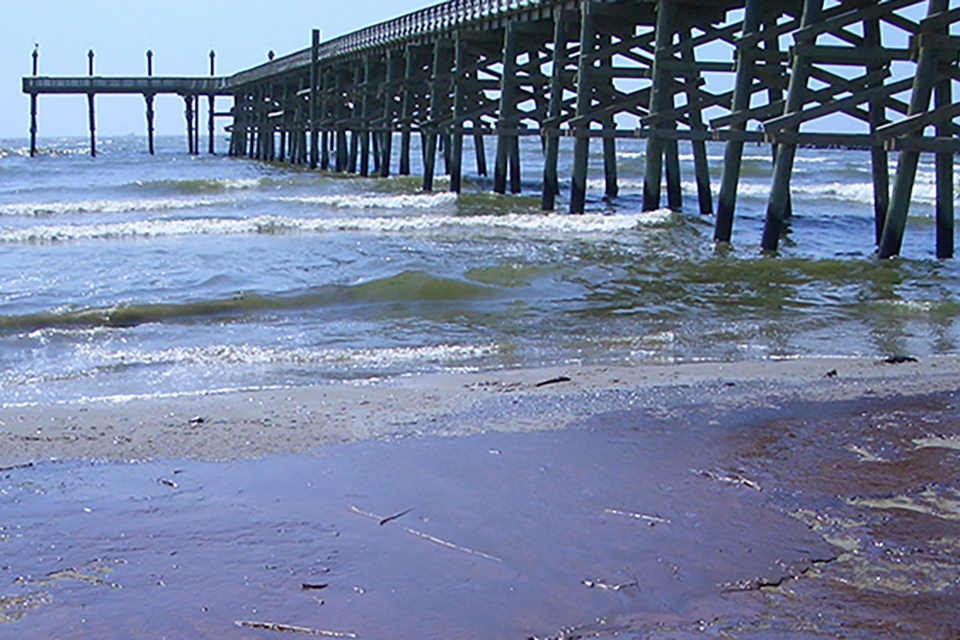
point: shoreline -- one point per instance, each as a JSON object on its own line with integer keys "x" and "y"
{"x": 740, "y": 500}
{"x": 230, "y": 425}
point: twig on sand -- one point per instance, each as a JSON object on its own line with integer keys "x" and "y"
{"x": 395, "y": 516}
{"x": 25, "y": 465}
{"x": 450, "y": 545}
{"x": 556, "y": 380}
{"x": 650, "y": 520}
{"x": 290, "y": 628}
{"x": 425, "y": 536}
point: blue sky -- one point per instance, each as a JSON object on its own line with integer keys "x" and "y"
{"x": 181, "y": 34}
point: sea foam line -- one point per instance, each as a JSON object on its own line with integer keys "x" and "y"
{"x": 532, "y": 223}
{"x": 35, "y": 209}
{"x": 402, "y": 201}
{"x": 381, "y": 358}
{"x": 67, "y": 207}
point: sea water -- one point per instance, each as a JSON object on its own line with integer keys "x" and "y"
{"x": 129, "y": 274}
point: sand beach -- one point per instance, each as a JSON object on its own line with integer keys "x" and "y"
{"x": 799, "y": 498}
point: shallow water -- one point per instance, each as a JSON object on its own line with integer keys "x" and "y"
{"x": 130, "y": 274}
{"x": 805, "y": 521}
{"x": 490, "y": 536}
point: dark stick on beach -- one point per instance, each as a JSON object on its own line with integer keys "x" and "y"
{"x": 556, "y": 380}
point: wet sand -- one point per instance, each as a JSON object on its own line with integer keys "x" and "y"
{"x": 796, "y": 499}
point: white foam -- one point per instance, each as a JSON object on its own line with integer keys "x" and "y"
{"x": 104, "y": 206}
{"x": 232, "y": 355}
{"x": 240, "y": 183}
{"x": 533, "y": 223}
{"x": 625, "y": 184}
{"x": 402, "y": 201}
{"x": 852, "y": 192}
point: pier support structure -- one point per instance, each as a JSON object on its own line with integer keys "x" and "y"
{"x": 724, "y": 72}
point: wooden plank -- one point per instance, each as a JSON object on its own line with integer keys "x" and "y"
{"x": 919, "y": 121}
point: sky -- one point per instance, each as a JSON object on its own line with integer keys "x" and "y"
{"x": 180, "y": 33}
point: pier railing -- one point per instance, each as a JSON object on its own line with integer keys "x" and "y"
{"x": 431, "y": 20}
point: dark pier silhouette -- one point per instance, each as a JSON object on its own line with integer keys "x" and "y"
{"x": 189, "y": 88}
{"x": 669, "y": 71}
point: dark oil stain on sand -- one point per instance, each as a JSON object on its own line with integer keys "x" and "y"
{"x": 806, "y": 522}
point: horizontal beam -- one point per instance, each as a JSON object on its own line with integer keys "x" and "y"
{"x": 149, "y": 85}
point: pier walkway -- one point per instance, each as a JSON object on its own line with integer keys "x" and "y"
{"x": 875, "y": 74}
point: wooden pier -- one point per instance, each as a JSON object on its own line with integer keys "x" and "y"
{"x": 669, "y": 71}
{"x": 189, "y": 88}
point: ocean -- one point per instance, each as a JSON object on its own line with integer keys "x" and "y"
{"x": 133, "y": 275}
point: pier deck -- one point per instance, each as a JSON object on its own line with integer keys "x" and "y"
{"x": 135, "y": 85}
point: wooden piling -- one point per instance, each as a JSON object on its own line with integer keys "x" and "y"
{"x": 366, "y": 108}
{"x": 148, "y": 98}
{"x": 611, "y": 187}
{"x": 661, "y": 99}
{"x": 439, "y": 99}
{"x": 880, "y": 167}
{"x": 445, "y": 152}
{"x": 771, "y": 57}
{"x": 256, "y": 124}
{"x": 671, "y": 152}
{"x": 923, "y": 82}
{"x": 93, "y": 125}
{"x": 314, "y": 98}
{"x": 246, "y": 137}
{"x": 406, "y": 118}
{"x": 515, "y": 185}
{"x": 236, "y": 128}
{"x": 742, "y": 92}
{"x": 944, "y": 171}
{"x": 778, "y": 204}
{"x": 188, "y": 116}
{"x": 480, "y": 150}
{"x": 389, "y": 113}
{"x": 551, "y": 152}
{"x": 285, "y": 129}
{"x": 581, "y": 145}
{"x": 196, "y": 125}
{"x": 701, "y": 165}
{"x": 356, "y": 116}
{"x": 341, "y": 133}
{"x": 325, "y": 82}
{"x": 507, "y": 116}
{"x": 459, "y": 99}
{"x": 33, "y": 125}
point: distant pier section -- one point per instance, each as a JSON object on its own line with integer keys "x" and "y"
{"x": 149, "y": 86}
{"x": 874, "y": 74}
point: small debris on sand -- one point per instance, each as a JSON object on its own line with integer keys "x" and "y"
{"x": 290, "y": 628}
{"x": 557, "y": 380}
{"x": 898, "y": 360}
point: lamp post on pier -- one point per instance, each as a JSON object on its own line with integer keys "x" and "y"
{"x": 33, "y": 103}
